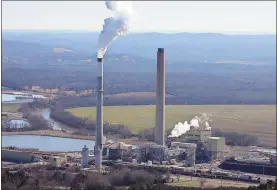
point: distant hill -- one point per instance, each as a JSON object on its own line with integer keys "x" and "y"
{"x": 20, "y": 48}
{"x": 200, "y": 68}
{"x": 184, "y": 47}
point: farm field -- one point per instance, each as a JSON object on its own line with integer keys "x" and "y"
{"x": 6, "y": 107}
{"x": 259, "y": 120}
{"x": 209, "y": 183}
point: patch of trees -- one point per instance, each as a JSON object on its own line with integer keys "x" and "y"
{"x": 186, "y": 85}
{"x": 236, "y": 139}
{"x": 146, "y": 134}
{"x": 89, "y": 126}
{"x": 27, "y": 108}
{"x": 35, "y": 122}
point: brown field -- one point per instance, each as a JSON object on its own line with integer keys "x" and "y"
{"x": 53, "y": 92}
{"x": 133, "y": 94}
{"x": 258, "y": 120}
{"x": 61, "y": 50}
{"x": 209, "y": 183}
{"x": 10, "y": 107}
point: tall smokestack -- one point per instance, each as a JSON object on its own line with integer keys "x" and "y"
{"x": 160, "y": 98}
{"x": 99, "y": 115}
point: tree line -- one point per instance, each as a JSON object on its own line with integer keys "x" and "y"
{"x": 53, "y": 177}
{"x": 88, "y": 126}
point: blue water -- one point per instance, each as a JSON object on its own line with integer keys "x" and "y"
{"x": 56, "y": 125}
{"x": 46, "y": 143}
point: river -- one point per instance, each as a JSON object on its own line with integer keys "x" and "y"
{"x": 56, "y": 124}
{"x": 46, "y": 143}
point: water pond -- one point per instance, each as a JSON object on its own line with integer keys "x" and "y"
{"x": 46, "y": 143}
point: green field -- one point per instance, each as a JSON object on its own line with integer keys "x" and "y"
{"x": 258, "y": 120}
{"x": 10, "y": 107}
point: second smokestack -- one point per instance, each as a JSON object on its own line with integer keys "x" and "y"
{"x": 99, "y": 115}
{"x": 160, "y": 98}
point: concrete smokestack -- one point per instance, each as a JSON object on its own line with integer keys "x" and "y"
{"x": 99, "y": 115}
{"x": 160, "y": 98}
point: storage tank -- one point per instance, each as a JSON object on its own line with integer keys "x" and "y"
{"x": 173, "y": 161}
{"x": 191, "y": 154}
{"x": 85, "y": 153}
{"x": 134, "y": 161}
{"x": 149, "y": 163}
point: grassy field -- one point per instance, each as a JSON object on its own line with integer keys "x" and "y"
{"x": 10, "y": 107}
{"x": 258, "y": 120}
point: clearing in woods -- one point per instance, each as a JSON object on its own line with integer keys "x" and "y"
{"x": 259, "y": 120}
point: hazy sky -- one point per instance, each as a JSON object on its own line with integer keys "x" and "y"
{"x": 157, "y": 16}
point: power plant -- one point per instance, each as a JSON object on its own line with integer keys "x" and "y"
{"x": 197, "y": 140}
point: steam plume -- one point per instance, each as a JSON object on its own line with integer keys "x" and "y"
{"x": 197, "y": 121}
{"x": 115, "y": 26}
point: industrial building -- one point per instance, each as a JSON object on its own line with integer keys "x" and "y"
{"x": 17, "y": 155}
{"x": 215, "y": 146}
{"x": 197, "y": 134}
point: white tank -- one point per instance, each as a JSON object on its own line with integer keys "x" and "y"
{"x": 173, "y": 161}
{"x": 85, "y": 153}
{"x": 190, "y": 160}
{"x": 149, "y": 163}
{"x": 134, "y": 161}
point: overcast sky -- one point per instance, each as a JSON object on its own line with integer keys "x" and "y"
{"x": 154, "y": 16}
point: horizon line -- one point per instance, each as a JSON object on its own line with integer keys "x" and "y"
{"x": 138, "y": 32}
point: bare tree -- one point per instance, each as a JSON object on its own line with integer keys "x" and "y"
{"x": 178, "y": 177}
{"x": 202, "y": 182}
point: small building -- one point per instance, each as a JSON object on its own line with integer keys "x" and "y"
{"x": 18, "y": 156}
{"x": 273, "y": 158}
{"x": 120, "y": 150}
{"x": 153, "y": 152}
{"x": 186, "y": 151}
{"x": 85, "y": 154}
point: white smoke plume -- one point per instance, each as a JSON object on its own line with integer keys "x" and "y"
{"x": 115, "y": 26}
{"x": 197, "y": 121}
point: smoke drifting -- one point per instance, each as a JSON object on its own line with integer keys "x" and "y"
{"x": 115, "y": 26}
{"x": 197, "y": 121}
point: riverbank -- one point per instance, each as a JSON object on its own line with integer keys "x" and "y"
{"x": 50, "y": 133}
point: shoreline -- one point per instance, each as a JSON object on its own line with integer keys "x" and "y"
{"x": 60, "y": 134}
{"x": 50, "y": 133}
